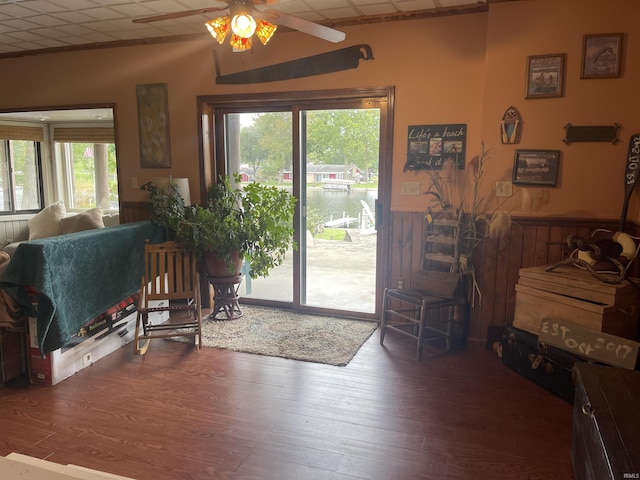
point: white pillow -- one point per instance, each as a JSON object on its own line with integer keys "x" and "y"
{"x": 87, "y": 220}
{"x": 46, "y": 223}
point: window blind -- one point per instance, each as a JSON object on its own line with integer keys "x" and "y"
{"x": 14, "y": 132}
{"x": 84, "y": 135}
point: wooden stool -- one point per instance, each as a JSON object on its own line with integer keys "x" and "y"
{"x": 225, "y": 298}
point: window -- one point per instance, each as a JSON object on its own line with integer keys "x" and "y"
{"x": 20, "y": 169}
{"x": 90, "y": 174}
{"x": 86, "y": 161}
{"x": 64, "y": 154}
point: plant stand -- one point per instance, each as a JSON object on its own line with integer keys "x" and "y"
{"x": 225, "y": 297}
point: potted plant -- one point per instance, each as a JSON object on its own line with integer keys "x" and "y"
{"x": 251, "y": 224}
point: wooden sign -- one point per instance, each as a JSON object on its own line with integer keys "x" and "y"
{"x": 605, "y": 348}
{"x": 630, "y": 175}
{"x": 604, "y": 133}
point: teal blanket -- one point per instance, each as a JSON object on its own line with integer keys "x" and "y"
{"x": 77, "y": 276}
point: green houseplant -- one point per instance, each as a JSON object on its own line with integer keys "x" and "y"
{"x": 252, "y": 224}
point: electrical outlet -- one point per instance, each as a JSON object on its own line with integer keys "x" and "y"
{"x": 134, "y": 182}
{"x": 410, "y": 188}
{"x": 87, "y": 359}
{"x": 504, "y": 189}
{"x": 400, "y": 283}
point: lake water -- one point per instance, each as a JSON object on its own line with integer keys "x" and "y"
{"x": 337, "y": 203}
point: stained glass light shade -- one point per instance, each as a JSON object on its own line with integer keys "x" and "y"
{"x": 265, "y": 31}
{"x": 240, "y": 44}
{"x": 219, "y": 27}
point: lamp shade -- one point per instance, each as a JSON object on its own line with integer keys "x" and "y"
{"x": 182, "y": 184}
{"x": 219, "y": 27}
{"x": 183, "y": 188}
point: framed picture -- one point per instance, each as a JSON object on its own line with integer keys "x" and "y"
{"x": 601, "y": 55}
{"x": 153, "y": 125}
{"x": 545, "y": 75}
{"x": 536, "y": 167}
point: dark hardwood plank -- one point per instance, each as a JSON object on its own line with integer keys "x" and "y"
{"x": 178, "y": 413}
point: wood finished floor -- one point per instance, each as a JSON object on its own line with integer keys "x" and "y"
{"x": 178, "y": 413}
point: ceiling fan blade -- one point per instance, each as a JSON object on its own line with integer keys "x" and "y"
{"x": 304, "y": 26}
{"x": 171, "y": 16}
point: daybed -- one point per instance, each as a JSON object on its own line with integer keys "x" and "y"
{"x": 66, "y": 280}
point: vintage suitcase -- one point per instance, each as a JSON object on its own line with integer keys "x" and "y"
{"x": 549, "y": 367}
{"x": 605, "y": 443}
{"x": 574, "y": 295}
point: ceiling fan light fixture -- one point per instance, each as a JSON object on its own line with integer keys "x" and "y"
{"x": 243, "y": 25}
{"x": 219, "y": 27}
{"x": 265, "y": 30}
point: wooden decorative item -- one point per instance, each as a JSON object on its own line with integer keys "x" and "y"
{"x": 335, "y": 61}
{"x": 591, "y": 344}
{"x": 511, "y": 126}
{"x": 630, "y": 175}
{"x": 604, "y": 133}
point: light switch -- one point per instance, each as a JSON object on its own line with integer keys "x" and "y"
{"x": 504, "y": 189}
{"x": 410, "y": 188}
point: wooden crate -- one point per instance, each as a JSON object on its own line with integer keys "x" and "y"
{"x": 575, "y": 296}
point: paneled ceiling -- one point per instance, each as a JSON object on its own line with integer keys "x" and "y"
{"x": 33, "y": 26}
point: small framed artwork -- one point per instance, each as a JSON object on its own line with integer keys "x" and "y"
{"x": 601, "y": 55}
{"x": 536, "y": 167}
{"x": 545, "y": 75}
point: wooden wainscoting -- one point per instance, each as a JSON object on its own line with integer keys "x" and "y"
{"x": 532, "y": 241}
{"x": 134, "y": 212}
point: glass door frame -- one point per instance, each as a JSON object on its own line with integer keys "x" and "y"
{"x": 211, "y": 133}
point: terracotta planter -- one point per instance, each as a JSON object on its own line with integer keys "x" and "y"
{"x": 218, "y": 268}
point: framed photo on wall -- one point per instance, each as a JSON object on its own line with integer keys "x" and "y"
{"x": 536, "y": 167}
{"x": 601, "y": 55}
{"x": 545, "y": 75}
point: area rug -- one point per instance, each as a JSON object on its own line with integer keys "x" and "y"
{"x": 282, "y": 333}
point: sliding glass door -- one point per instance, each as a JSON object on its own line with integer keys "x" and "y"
{"x": 328, "y": 155}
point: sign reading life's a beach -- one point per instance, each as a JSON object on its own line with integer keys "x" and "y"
{"x": 431, "y": 147}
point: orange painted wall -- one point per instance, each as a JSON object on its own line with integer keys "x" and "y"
{"x": 459, "y": 69}
{"x": 590, "y": 181}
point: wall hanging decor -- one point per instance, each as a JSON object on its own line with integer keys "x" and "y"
{"x": 601, "y": 55}
{"x": 153, "y": 125}
{"x": 545, "y": 75}
{"x": 334, "y": 61}
{"x": 536, "y": 167}
{"x": 431, "y": 146}
{"x": 591, "y": 133}
{"x": 511, "y": 126}
{"x": 630, "y": 175}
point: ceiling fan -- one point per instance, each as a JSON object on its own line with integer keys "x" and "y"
{"x": 243, "y": 19}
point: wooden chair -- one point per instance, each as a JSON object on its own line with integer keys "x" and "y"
{"x": 425, "y": 312}
{"x": 170, "y": 276}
